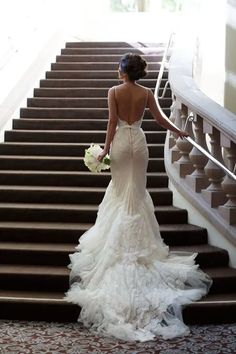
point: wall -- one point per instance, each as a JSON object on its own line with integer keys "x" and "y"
{"x": 209, "y": 63}
{"x": 214, "y": 66}
{"x": 230, "y": 57}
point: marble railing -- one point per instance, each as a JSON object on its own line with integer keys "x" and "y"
{"x": 206, "y": 185}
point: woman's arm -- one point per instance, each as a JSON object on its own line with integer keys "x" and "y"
{"x": 151, "y": 104}
{"x": 112, "y": 122}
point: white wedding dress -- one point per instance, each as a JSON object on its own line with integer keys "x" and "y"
{"x": 122, "y": 275}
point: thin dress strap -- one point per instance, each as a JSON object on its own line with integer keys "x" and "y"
{"x": 146, "y": 98}
{"x": 115, "y": 93}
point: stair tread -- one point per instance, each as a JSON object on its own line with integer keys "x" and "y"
{"x": 68, "y": 189}
{"x": 70, "y": 206}
{"x": 42, "y": 157}
{"x": 30, "y": 294}
{"x": 93, "y": 71}
{"x": 52, "y": 131}
{"x": 203, "y": 248}
{"x": 69, "y": 247}
{"x": 7, "y": 295}
{"x": 97, "y": 109}
{"x": 77, "y": 98}
{"x": 92, "y": 61}
{"x": 44, "y": 225}
{"x": 72, "y": 120}
{"x": 78, "y": 173}
{"x": 218, "y": 272}
{"x": 56, "y": 143}
{"x": 27, "y": 246}
{"x": 107, "y": 80}
{"x": 34, "y": 269}
{"x": 79, "y": 226}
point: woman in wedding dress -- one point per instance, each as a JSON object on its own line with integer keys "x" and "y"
{"x": 123, "y": 276}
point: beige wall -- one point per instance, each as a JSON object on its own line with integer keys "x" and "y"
{"x": 214, "y": 66}
{"x": 209, "y": 63}
{"x": 230, "y": 57}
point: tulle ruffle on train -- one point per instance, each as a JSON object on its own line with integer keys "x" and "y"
{"x": 125, "y": 279}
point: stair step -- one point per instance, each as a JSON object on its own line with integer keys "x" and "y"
{"x": 99, "y": 44}
{"x": 78, "y": 102}
{"x": 94, "y": 74}
{"x": 173, "y": 234}
{"x": 79, "y": 92}
{"x": 60, "y": 149}
{"x": 59, "y": 163}
{"x": 70, "y": 195}
{"x": 71, "y": 92}
{"x": 50, "y": 306}
{"x": 120, "y": 51}
{"x": 224, "y": 279}
{"x": 107, "y": 83}
{"x": 212, "y": 309}
{"x": 78, "y": 179}
{"x": 96, "y": 66}
{"x": 33, "y": 306}
{"x": 71, "y": 213}
{"x": 33, "y": 277}
{"x": 74, "y": 124}
{"x": 58, "y": 253}
{"x": 73, "y": 113}
{"x": 71, "y": 136}
{"x": 56, "y": 278}
{"x": 208, "y": 256}
{"x": 97, "y": 58}
{"x": 108, "y": 44}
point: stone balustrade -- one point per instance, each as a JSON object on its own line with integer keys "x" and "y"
{"x": 212, "y": 127}
{"x": 199, "y": 172}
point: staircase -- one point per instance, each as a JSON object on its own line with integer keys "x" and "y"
{"x": 48, "y": 198}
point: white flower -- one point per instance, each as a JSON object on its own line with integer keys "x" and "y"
{"x": 90, "y": 159}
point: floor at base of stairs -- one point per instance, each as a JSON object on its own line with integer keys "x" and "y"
{"x": 23, "y": 337}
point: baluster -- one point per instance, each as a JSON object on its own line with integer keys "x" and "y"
{"x": 184, "y": 164}
{"x": 174, "y": 111}
{"x": 198, "y": 180}
{"x": 228, "y": 210}
{"x": 175, "y": 152}
{"x": 214, "y": 193}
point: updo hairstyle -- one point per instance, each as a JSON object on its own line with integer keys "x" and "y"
{"x": 134, "y": 66}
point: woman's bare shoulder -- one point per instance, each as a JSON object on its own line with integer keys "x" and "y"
{"x": 115, "y": 87}
{"x": 144, "y": 88}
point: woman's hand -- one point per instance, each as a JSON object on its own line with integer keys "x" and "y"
{"x": 101, "y": 155}
{"x": 182, "y": 134}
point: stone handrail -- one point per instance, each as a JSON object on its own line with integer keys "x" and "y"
{"x": 213, "y": 128}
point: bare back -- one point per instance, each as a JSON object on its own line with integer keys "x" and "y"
{"x": 131, "y": 101}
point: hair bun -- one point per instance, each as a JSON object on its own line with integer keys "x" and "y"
{"x": 134, "y": 66}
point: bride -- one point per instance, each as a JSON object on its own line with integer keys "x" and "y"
{"x": 123, "y": 276}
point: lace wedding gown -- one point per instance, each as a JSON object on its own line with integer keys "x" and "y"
{"x": 122, "y": 275}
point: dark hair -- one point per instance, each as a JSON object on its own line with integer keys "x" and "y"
{"x": 133, "y": 65}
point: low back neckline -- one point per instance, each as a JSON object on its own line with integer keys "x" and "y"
{"x": 136, "y": 121}
{"x": 125, "y": 121}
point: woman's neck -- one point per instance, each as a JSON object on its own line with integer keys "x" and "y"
{"x": 129, "y": 82}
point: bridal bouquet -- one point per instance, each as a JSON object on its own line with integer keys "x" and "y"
{"x": 90, "y": 159}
